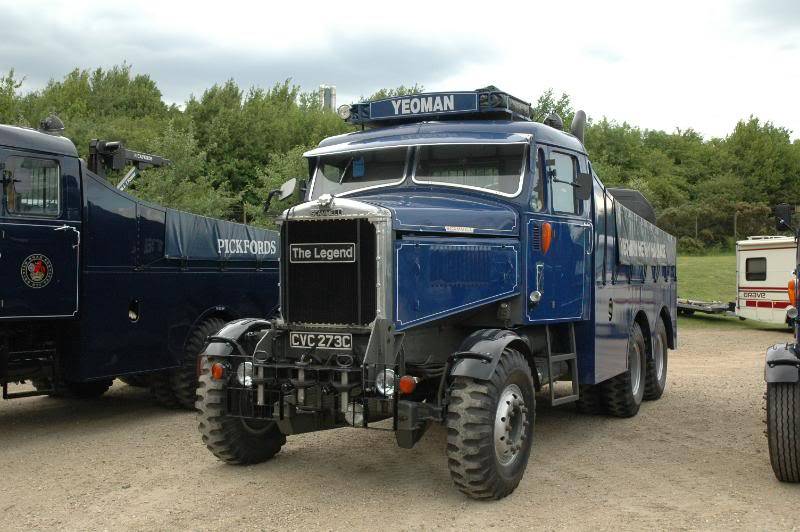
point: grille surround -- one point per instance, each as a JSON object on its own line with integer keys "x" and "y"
{"x": 330, "y": 293}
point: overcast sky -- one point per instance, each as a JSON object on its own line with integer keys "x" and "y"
{"x": 659, "y": 65}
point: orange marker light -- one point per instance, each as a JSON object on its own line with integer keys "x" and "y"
{"x": 547, "y": 236}
{"x": 407, "y": 384}
{"x": 217, "y": 371}
{"x": 792, "y": 291}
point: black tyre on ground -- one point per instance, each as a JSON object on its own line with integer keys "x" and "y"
{"x": 490, "y": 429}
{"x": 232, "y": 440}
{"x": 656, "y": 375}
{"x": 623, "y": 394}
{"x": 184, "y": 378}
{"x": 161, "y": 389}
{"x": 783, "y": 429}
{"x": 590, "y": 400}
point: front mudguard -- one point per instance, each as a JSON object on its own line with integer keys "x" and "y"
{"x": 480, "y": 352}
{"x": 228, "y": 341}
{"x": 783, "y": 364}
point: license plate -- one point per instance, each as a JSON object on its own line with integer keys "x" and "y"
{"x": 307, "y": 340}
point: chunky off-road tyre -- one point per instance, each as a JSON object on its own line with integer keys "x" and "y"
{"x": 137, "y": 381}
{"x": 184, "y": 378}
{"x": 490, "y": 429}
{"x": 161, "y": 389}
{"x": 783, "y": 429}
{"x": 624, "y": 393}
{"x": 656, "y": 375}
{"x": 590, "y": 400}
{"x": 232, "y": 440}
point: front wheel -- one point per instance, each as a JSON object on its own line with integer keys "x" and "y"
{"x": 783, "y": 429}
{"x": 490, "y": 429}
{"x": 231, "y": 439}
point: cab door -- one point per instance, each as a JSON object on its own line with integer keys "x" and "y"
{"x": 560, "y": 258}
{"x": 39, "y": 247}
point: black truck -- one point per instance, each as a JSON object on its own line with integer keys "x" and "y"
{"x": 97, "y": 284}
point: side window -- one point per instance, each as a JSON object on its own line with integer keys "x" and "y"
{"x": 563, "y": 173}
{"x": 755, "y": 269}
{"x": 537, "y": 187}
{"x": 31, "y": 186}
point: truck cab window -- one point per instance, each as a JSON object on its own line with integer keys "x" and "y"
{"x": 562, "y": 174}
{"x": 31, "y": 186}
{"x": 756, "y": 269}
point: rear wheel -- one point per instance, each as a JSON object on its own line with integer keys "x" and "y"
{"x": 490, "y": 429}
{"x": 623, "y": 394}
{"x": 184, "y": 378}
{"x": 88, "y": 390}
{"x": 656, "y": 377}
{"x": 783, "y": 429}
{"x": 161, "y": 388}
{"x": 232, "y": 440}
{"x": 590, "y": 400}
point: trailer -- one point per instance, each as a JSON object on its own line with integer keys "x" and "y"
{"x": 764, "y": 267}
{"x": 450, "y": 260}
{"x": 98, "y": 284}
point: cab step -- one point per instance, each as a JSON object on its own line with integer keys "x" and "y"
{"x": 557, "y": 353}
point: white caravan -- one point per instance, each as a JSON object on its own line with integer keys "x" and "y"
{"x": 764, "y": 266}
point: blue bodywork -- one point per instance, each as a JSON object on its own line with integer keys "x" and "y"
{"x": 458, "y": 249}
{"x": 129, "y": 278}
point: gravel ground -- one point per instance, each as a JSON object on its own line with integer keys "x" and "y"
{"x": 695, "y": 459}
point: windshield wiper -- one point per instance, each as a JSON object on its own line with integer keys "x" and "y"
{"x": 341, "y": 177}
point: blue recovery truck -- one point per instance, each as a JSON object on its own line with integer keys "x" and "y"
{"x": 782, "y": 375}
{"x": 452, "y": 259}
{"x": 97, "y": 284}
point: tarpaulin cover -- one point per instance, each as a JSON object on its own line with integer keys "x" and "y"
{"x": 640, "y": 242}
{"x": 194, "y": 237}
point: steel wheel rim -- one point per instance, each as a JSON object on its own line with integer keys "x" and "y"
{"x": 658, "y": 355}
{"x": 636, "y": 369}
{"x": 510, "y": 422}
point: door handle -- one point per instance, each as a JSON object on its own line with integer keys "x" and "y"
{"x": 590, "y": 247}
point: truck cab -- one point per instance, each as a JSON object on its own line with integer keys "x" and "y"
{"x": 451, "y": 259}
{"x": 98, "y": 284}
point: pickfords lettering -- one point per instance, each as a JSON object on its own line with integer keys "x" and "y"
{"x": 228, "y": 246}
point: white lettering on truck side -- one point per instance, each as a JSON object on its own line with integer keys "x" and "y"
{"x": 425, "y": 104}
{"x": 232, "y": 246}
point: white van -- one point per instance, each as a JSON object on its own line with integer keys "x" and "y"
{"x": 764, "y": 266}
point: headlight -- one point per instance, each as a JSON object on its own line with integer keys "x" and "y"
{"x": 244, "y": 374}
{"x": 384, "y": 382}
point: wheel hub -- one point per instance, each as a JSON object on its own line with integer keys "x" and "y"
{"x": 510, "y": 423}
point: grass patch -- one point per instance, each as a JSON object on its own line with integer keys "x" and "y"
{"x": 710, "y": 278}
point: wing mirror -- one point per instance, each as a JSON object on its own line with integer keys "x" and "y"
{"x": 583, "y": 186}
{"x": 783, "y": 217}
{"x": 286, "y": 190}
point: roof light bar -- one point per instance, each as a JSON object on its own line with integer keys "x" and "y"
{"x": 488, "y": 103}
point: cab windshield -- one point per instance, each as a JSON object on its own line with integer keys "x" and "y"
{"x": 342, "y": 172}
{"x": 494, "y": 167}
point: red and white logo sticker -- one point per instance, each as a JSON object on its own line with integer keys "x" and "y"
{"x": 36, "y": 271}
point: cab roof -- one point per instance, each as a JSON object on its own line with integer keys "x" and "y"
{"x": 31, "y": 139}
{"x": 451, "y": 131}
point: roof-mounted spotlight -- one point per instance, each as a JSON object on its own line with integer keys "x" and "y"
{"x": 343, "y": 111}
{"x": 52, "y": 125}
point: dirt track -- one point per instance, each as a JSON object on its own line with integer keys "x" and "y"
{"x": 695, "y": 459}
